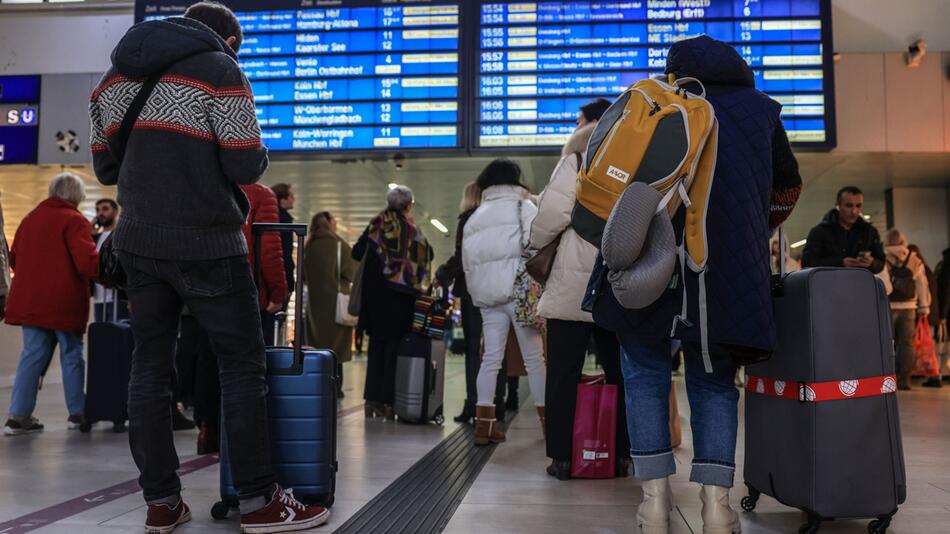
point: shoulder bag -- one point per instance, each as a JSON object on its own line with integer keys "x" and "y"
{"x": 343, "y": 316}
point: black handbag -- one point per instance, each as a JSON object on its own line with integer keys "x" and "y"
{"x": 111, "y": 273}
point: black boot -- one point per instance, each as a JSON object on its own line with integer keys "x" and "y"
{"x": 623, "y": 468}
{"x": 512, "y": 403}
{"x": 560, "y": 469}
{"x": 179, "y": 421}
{"x": 933, "y": 382}
{"x": 468, "y": 412}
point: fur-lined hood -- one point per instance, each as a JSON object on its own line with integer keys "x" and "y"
{"x": 577, "y": 143}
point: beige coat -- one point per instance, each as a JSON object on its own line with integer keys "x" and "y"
{"x": 574, "y": 261}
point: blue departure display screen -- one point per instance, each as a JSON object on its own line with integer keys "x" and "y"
{"x": 538, "y": 62}
{"x": 442, "y": 75}
{"x": 354, "y": 75}
{"x": 19, "y": 119}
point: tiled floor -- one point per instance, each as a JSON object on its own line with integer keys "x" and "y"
{"x": 512, "y": 494}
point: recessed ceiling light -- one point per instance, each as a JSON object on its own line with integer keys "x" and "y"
{"x": 799, "y": 244}
{"x": 438, "y": 224}
{"x": 393, "y": 185}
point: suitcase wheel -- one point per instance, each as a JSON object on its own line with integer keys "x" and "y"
{"x": 879, "y": 525}
{"x": 439, "y": 419}
{"x": 748, "y": 502}
{"x": 811, "y": 527}
{"x": 220, "y": 510}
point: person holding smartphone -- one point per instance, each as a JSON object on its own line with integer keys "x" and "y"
{"x": 844, "y": 238}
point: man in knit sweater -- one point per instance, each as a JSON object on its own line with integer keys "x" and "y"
{"x": 180, "y": 242}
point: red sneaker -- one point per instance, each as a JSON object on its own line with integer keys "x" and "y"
{"x": 163, "y": 518}
{"x": 284, "y": 513}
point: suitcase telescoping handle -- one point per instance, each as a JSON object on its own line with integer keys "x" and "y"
{"x": 300, "y": 230}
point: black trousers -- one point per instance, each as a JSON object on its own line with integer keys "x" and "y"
{"x": 222, "y": 297}
{"x": 381, "y": 370}
{"x": 567, "y": 349}
{"x": 472, "y": 329}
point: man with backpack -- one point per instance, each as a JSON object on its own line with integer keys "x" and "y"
{"x": 180, "y": 242}
{"x": 844, "y": 238}
{"x": 910, "y": 300}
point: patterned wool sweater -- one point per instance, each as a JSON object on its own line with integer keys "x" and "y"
{"x": 196, "y": 140}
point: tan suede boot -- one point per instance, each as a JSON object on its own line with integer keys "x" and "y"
{"x": 653, "y": 514}
{"x": 718, "y": 515}
{"x": 544, "y": 426}
{"x": 485, "y": 429}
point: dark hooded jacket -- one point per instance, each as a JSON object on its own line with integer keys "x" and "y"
{"x": 829, "y": 243}
{"x": 195, "y": 141}
{"x": 755, "y": 187}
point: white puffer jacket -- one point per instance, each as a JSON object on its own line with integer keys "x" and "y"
{"x": 491, "y": 244}
{"x": 574, "y": 261}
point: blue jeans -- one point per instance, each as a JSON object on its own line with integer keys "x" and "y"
{"x": 38, "y": 347}
{"x": 713, "y": 401}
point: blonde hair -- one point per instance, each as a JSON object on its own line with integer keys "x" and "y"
{"x": 471, "y": 197}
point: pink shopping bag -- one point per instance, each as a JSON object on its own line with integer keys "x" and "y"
{"x": 595, "y": 429}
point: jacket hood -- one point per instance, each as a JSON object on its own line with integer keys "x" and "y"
{"x": 710, "y": 61}
{"x": 577, "y": 143}
{"x": 153, "y": 46}
{"x": 497, "y": 192}
{"x": 58, "y": 203}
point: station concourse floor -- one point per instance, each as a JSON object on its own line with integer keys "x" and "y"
{"x": 511, "y": 494}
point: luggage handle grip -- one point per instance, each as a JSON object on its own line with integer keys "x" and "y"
{"x": 300, "y": 230}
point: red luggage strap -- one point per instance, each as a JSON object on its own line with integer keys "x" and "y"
{"x": 871, "y": 386}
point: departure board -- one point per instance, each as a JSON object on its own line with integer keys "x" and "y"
{"x": 538, "y": 62}
{"x": 354, "y": 75}
{"x": 332, "y": 76}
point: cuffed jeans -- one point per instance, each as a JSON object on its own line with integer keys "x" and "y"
{"x": 496, "y": 321}
{"x": 713, "y": 401}
{"x": 38, "y": 347}
{"x": 221, "y": 295}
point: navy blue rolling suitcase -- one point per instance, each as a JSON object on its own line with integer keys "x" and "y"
{"x": 301, "y": 403}
{"x": 107, "y": 380}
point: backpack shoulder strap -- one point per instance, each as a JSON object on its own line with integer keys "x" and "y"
{"x": 121, "y": 140}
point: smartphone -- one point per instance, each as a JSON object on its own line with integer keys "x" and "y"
{"x": 865, "y": 253}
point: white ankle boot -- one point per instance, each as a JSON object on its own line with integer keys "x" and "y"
{"x": 653, "y": 515}
{"x": 718, "y": 515}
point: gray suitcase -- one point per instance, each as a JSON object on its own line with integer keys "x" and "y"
{"x": 420, "y": 379}
{"x": 822, "y": 431}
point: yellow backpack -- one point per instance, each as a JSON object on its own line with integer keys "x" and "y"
{"x": 662, "y": 135}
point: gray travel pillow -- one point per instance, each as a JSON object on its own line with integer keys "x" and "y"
{"x": 627, "y": 227}
{"x": 641, "y": 284}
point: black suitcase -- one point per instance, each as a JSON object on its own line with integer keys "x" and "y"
{"x": 822, "y": 431}
{"x": 107, "y": 380}
{"x": 420, "y": 379}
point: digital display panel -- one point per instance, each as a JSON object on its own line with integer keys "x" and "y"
{"x": 538, "y": 62}
{"x": 435, "y": 75}
{"x": 355, "y": 75}
{"x": 19, "y": 119}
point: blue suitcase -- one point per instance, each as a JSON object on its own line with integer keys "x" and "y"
{"x": 301, "y": 403}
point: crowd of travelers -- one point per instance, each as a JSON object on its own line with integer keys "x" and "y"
{"x": 202, "y": 315}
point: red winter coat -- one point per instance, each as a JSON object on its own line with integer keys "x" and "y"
{"x": 264, "y": 210}
{"x": 53, "y": 258}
